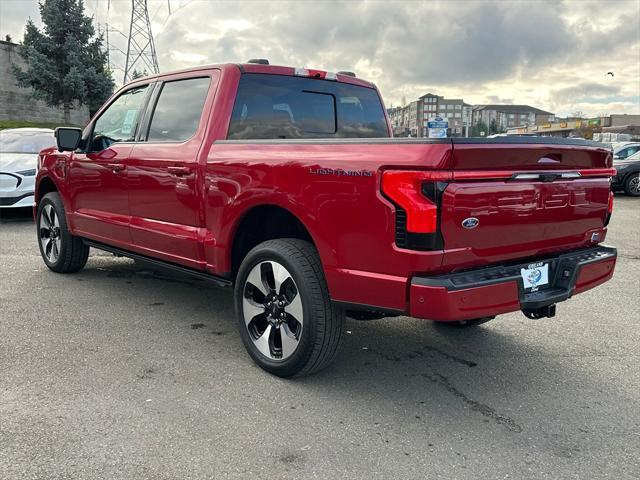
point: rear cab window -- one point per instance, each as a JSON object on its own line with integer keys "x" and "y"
{"x": 279, "y": 107}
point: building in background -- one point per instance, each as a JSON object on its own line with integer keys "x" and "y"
{"x": 616, "y": 127}
{"x": 510, "y": 116}
{"x": 17, "y": 104}
{"x": 412, "y": 119}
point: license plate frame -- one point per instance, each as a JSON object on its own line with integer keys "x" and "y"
{"x": 535, "y": 276}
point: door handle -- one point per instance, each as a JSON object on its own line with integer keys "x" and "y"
{"x": 116, "y": 167}
{"x": 178, "y": 171}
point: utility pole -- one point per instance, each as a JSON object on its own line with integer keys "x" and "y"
{"x": 141, "y": 50}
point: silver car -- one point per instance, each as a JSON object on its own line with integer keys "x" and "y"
{"x": 19, "y": 149}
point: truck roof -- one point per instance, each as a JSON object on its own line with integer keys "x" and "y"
{"x": 266, "y": 69}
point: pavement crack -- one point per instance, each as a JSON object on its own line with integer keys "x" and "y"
{"x": 483, "y": 409}
{"x": 448, "y": 356}
{"x": 439, "y": 379}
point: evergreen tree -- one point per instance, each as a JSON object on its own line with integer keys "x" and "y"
{"x": 493, "y": 127}
{"x": 479, "y": 128}
{"x": 65, "y": 62}
{"x": 138, "y": 74}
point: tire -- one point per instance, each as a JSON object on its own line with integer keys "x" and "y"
{"x": 632, "y": 185}
{"x": 287, "y": 321}
{"x": 61, "y": 251}
{"x": 465, "y": 323}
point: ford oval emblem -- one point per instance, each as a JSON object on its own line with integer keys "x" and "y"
{"x": 471, "y": 222}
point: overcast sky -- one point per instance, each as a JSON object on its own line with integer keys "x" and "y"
{"x": 554, "y": 55}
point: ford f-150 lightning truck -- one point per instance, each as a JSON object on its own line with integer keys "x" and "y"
{"x": 286, "y": 184}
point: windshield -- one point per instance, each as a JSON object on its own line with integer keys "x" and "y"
{"x": 25, "y": 142}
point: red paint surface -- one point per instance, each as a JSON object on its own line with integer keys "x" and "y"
{"x": 436, "y": 303}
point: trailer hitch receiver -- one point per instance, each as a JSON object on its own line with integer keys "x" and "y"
{"x": 548, "y": 311}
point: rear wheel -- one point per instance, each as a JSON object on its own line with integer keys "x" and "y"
{"x": 286, "y": 319}
{"x": 466, "y": 323}
{"x": 61, "y": 251}
{"x": 632, "y": 185}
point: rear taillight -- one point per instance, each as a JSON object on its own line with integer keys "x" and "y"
{"x": 609, "y": 209}
{"x": 607, "y": 219}
{"x": 416, "y": 195}
{"x": 405, "y": 189}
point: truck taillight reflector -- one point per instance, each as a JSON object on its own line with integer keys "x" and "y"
{"x": 610, "y": 207}
{"x": 404, "y": 188}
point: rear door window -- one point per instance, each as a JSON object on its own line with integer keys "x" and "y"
{"x": 278, "y": 106}
{"x": 177, "y": 113}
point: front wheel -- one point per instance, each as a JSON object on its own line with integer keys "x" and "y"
{"x": 286, "y": 319}
{"x": 61, "y": 251}
{"x": 632, "y": 185}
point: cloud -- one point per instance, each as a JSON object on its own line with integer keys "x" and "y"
{"x": 549, "y": 54}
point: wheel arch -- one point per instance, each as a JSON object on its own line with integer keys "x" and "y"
{"x": 263, "y": 222}
{"x": 45, "y": 185}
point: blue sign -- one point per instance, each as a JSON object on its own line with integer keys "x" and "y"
{"x": 437, "y": 122}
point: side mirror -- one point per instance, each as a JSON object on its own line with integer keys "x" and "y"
{"x": 67, "y": 138}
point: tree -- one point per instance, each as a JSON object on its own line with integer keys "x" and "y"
{"x": 65, "y": 62}
{"x": 7, "y": 38}
{"x": 493, "y": 127}
{"x": 478, "y": 128}
{"x": 137, "y": 74}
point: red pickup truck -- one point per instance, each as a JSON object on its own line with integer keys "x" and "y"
{"x": 286, "y": 183}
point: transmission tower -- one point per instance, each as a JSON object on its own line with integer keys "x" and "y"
{"x": 141, "y": 50}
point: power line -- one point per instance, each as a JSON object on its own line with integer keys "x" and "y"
{"x": 141, "y": 50}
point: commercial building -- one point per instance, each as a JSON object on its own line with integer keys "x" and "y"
{"x": 597, "y": 127}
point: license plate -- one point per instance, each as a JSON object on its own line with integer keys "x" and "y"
{"x": 535, "y": 275}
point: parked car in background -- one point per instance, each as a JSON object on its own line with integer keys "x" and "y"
{"x": 628, "y": 174}
{"x": 19, "y": 149}
{"x": 625, "y": 149}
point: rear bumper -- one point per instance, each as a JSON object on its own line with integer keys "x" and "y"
{"x": 492, "y": 291}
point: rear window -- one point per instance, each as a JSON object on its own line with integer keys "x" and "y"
{"x": 277, "y": 106}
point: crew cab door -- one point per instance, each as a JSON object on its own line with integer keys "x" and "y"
{"x": 163, "y": 172}
{"x": 97, "y": 175}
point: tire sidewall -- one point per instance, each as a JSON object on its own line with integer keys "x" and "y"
{"x": 50, "y": 199}
{"x": 627, "y": 184}
{"x": 297, "y": 361}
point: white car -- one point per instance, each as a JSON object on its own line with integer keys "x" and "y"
{"x": 19, "y": 149}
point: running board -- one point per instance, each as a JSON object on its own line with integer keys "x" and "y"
{"x": 172, "y": 267}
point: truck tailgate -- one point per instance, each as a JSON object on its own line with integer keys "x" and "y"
{"x": 514, "y": 201}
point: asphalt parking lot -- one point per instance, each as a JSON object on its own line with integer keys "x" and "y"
{"x": 122, "y": 373}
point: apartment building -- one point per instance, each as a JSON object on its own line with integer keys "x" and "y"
{"x": 412, "y": 119}
{"x": 509, "y": 116}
